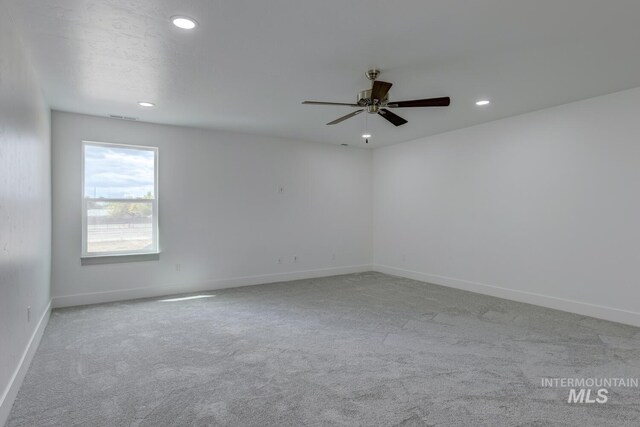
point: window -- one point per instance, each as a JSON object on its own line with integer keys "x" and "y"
{"x": 120, "y": 200}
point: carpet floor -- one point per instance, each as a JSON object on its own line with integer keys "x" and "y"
{"x": 361, "y": 349}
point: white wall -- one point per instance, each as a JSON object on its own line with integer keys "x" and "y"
{"x": 222, "y": 217}
{"x": 541, "y": 208}
{"x": 25, "y": 213}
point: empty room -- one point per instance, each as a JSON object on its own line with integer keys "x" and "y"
{"x": 319, "y": 213}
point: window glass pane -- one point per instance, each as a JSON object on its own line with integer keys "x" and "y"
{"x": 115, "y": 172}
{"x": 119, "y": 226}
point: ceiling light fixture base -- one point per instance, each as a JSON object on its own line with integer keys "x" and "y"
{"x": 372, "y": 74}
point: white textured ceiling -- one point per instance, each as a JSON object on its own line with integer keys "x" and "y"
{"x": 249, "y": 64}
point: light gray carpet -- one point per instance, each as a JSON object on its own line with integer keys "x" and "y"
{"x": 362, "y": 349}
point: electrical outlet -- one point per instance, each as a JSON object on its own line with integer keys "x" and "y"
{"x": 28, "y": 313}
{"x": 178, "y": 267}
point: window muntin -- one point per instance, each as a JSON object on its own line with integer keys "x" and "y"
{"x": 120, "y": 206}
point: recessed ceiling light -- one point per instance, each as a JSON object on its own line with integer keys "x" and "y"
{"x": 366, "y": 135}
{"x": 146, "y": 104}
{"x": 184, "y": 22}
{"x": 483, "y": 102}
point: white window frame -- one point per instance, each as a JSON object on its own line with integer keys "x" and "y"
{"x": 154, "y": 203}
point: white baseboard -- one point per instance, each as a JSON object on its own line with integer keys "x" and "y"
{"x": 11, "y": 391}
{"x": 150, "y": 292}
{"x": 583, "y": 308}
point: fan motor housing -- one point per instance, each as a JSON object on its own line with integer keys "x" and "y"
{"x": 364, "y": 100}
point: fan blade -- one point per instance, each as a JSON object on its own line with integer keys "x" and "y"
{"x": 343, "y": 118}
{"x": 393, "y": 118}
{"x": 329, "y": 103}
{"x": 431, "y": 102}
{"x": 380, "y": 90}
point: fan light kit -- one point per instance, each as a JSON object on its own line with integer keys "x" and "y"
{"x": 366, "y": 135}
{"x": 146, "y": 104}
{"x": 483, "y": 102}
{"x": 376, "y": 101}
{"x": 184, "y": 22}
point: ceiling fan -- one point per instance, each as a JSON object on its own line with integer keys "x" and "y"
{"x": 376, "y": 101}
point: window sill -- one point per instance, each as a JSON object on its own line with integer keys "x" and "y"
{"x": 116, "y": 259}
